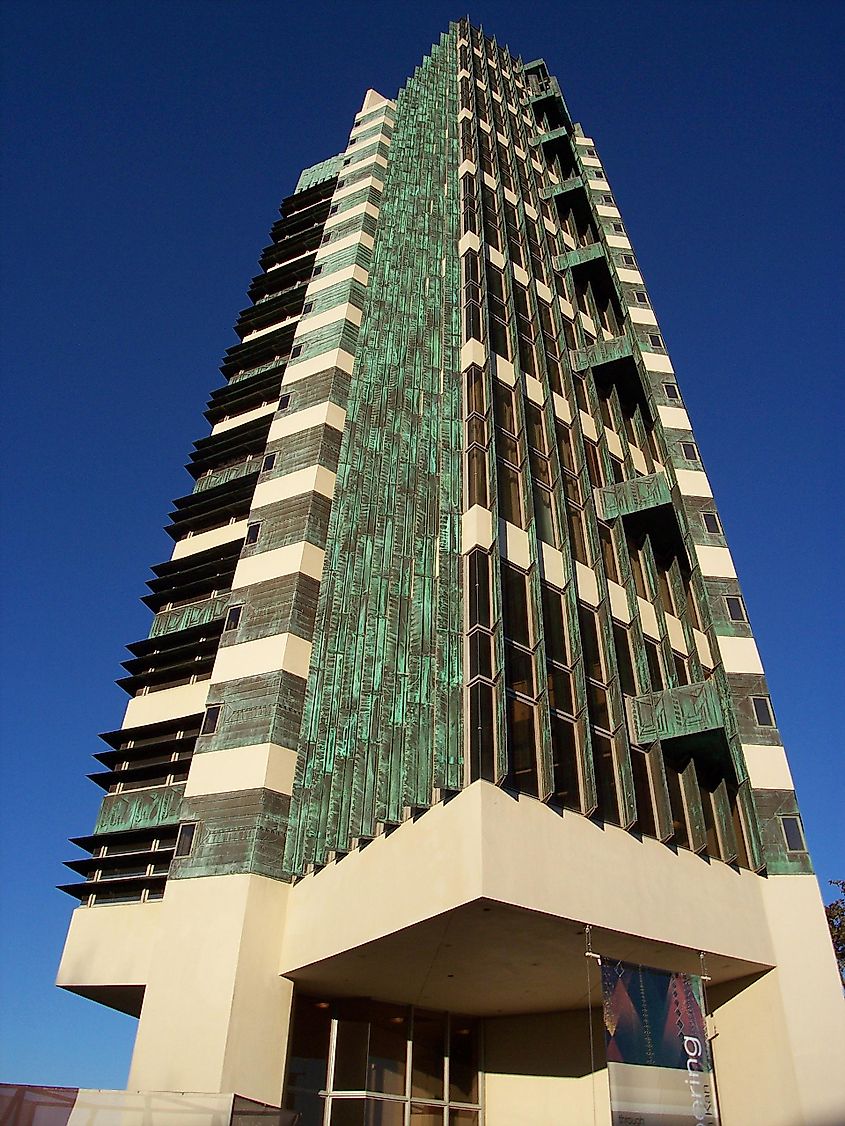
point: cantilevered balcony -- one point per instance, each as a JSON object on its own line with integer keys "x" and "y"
{"x": 211, "y": 508}
{"x": 262, "y": 349}
{"x": 179, "y": 582}
{"x": 247, "y": 390}
{"x": 172, "y": 659}
{"x": 219, "y": 450}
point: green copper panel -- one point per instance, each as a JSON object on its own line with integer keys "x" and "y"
{"x": 317, "y": 173}
{"x": 142, "y": 809}
{"x": 632, "y": 496}
{"x": 771, "y": 806}
{"x": 183, "y": 617}
{"x": 602, "y": 352}
{"x": 580, "y": 254}
{"x": 561, "y": 189}
{"x": 382, "y": 720}
{"x": 688, "y": 710}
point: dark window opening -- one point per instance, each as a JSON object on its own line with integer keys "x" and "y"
{"x": 793, "y": 834}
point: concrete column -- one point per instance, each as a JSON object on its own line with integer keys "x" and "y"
{"x": 216, "y": 1013}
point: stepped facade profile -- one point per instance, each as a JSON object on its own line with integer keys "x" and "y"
{"x": 450, "y": 702}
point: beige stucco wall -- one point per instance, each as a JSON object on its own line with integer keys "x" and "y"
{"x": 790, "y": 1024}
{"x": 110, "y": 945}
{"x": 538, "y": 1069}
{"x": 215, "y": 1015}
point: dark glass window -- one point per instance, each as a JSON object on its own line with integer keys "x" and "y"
{"x": 504, "y": 409}
{"x": 522, "y": 745}
{"x": 736, "y": 608}
{"x": 590, "y": 643}
{"x": 608, "y": 554}
{"x": 479, "y": 589}
{"x": 711, "y": 522}
{"x": 544, "y": 516}
{"x": 622, "y": 646}
{"x": 463, "y": 1060}
{"x": 763, "y": 711}
{"x": 386, "y": 1060}
{"x": 793, "y": 834}
{"x": 515, "y": 606}
{"x": 519, "y": 670}
{"x": 689, "y": 450}
{"x": 642, "y": 793}
{"x": 233, "y": 617}
{"x": 481, "y": 731}
{"x": 593, "y": 465}
{"x": 554, "y": 626}
{"x": 185, "y": 840}
{"x": 510, "y": 506}
{"x": 676, "y": 804}
{"x": 654, "y": 668}
{"x": 429, "y": 1051}
{"x": 565, "y": 761}
{"x": 475, "y": 390}
{"x": 252, "y": 532}
{"x": 268, "y": 463}
{"x": 477, "y": 477}
{"x": 605, "y": 776}
{"x": 480, "y": 655}
{"x": 211, "y": 719}
{"x": 308, "y": 1061}
{"x": 353, "y": 1027}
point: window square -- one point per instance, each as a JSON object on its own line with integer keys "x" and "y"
{"x": 736, "y": 608}
{"x": 793, "y": 833}
{"x": 233, "y": 618}
{"x": 763, "y": 711}
{"x": 211, "y": 719}
{"x": 252, "y": 532}
{"x": 711, "y": 522}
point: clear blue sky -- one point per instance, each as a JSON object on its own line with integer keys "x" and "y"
{"x": 147, "y": 147}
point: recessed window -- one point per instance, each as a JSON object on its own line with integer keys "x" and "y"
{"x": 333, "y": 210}
{"x": 640, "y": 297}
{"x": 629, "y": 260}
{"x": 185, "y": 840}
{"x": 598, "y": 174}
{"x": 211, "y": 719}
{"x": 317, "y": 270}
{"x": 252, "y": 531}
{"x": 736, "y": 608}
{"x": 307, "y": 307}
{"x": 268, "y": 462}
{"x": 340, "y": 183}
{"x": 295, "y": 351}
{"x": 711, "y": 522}
{"x": 591, "y": 152}
{"x": 656, "y": 340}
{"x": 670, "y": 390}
{"x": 284, "y": 402}
{"x": 793, "y": 833}
{"x": 233, "y": 618}
{"x": 607, "y": 198}
{"x": 620, "y": 230}
{"x": 763, "y": 711}
{"x": 689, "y": 451}
{"x": 347, "y": 161}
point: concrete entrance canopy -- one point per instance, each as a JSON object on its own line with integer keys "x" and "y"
{"x": 481, "y": 906}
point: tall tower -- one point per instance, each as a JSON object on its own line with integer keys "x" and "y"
{"x": 450, "y": 679}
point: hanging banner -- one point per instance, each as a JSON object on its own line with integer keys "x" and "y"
{"x": 658, "y": 1057}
